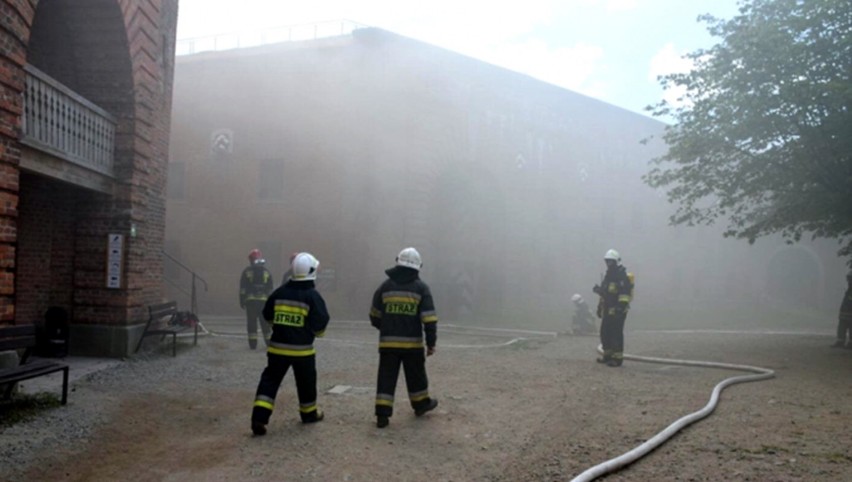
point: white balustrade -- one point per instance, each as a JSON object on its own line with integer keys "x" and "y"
{"x": 61, "y": 122}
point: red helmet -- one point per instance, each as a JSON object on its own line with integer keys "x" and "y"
{"x": 254, "y": 255}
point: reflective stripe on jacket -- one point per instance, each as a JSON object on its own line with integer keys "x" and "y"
{"x": 615, "y": 289}
{"x": 298, "y": 314}
{"x": 403, "y": 311}
{"x": 255, "y": 284}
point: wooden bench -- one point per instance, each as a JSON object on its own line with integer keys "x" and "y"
{"x": 162, "y": 320}
{"x": 24, "y": 337}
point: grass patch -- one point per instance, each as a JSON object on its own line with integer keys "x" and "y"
{"x": 24, "y": 407}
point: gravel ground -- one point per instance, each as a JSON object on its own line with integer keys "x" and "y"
{"x": 513, "y": 406}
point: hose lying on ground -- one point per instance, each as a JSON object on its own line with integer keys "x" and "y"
{"x": 627, "y": 458}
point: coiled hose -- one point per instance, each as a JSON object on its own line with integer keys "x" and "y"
{"x": 627, "y": 458}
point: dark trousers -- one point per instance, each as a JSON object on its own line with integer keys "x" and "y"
{"x": 254, "y": 317}
{"x": 612, "y": 335}
{"x": 844, "y": 326}
{"x": 305, "y": 372}
{"x": 414, "y": 364}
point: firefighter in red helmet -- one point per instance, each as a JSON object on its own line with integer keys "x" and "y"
{"x": 255, "y": 286}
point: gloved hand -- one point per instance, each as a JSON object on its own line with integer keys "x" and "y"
{"x": 596, "y": 289}
{"x": 621, "y": 308}
{"x": 242, "y": 306}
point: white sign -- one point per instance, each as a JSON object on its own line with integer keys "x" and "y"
{"x": 115, "y": 256}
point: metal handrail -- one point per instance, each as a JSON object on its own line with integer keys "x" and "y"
{"x": 287, "y": 33}
{"x": 193, "y": 300}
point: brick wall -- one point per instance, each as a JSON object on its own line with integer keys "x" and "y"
{"x": 16, "y": 18}
{"x": 45, "y": 246}
{"x": 119, "y": 55}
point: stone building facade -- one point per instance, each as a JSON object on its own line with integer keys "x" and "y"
{"x": 355, "y": 146}
{"x": 85, "y": 101}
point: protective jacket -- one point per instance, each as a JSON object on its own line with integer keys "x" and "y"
{"x": 298, "y": 314}
{"x": 615, "y": 291}
{"x": 403, "y": 311}
{"x": 255, "y": 284}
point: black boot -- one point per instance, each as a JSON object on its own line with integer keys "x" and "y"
{"x": 382, "y": 421}
{"x": 428, "y": 408}
{"x": 258, "y": 428}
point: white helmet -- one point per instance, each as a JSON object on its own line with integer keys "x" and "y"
{"x": 304, "y": 267}
{"x": 410, "y": 258}
{"x": 576, "y": 298}
{"x": 613, "y": 255}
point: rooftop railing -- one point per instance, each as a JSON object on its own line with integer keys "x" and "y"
{"x": 290, "y": 33}
{"x": 62, "y": 123}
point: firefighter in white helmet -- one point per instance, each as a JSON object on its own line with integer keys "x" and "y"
{"x": 298, "y": 315}
{"x": 615, "y": 295}
{"x": 255, "y": 286}
{"x": 403, "y": 312}
{"x": 583, "y": 322}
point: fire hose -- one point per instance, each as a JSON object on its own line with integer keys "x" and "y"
{"x": 640, "y": 451}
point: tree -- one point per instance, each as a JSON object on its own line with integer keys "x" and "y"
{"x": 763, "y": 133}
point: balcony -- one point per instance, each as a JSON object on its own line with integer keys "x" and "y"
{"x": 71, "y": 138}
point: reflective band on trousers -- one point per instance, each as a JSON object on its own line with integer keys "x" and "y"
{"x": 308, "y": 407}
{"x": 285, "y": 349}
{"x": 417, "y": 396}
{"x": 400, "y": 342}
{"x": 264, "y": 402}
{"x": 384, "y": 399}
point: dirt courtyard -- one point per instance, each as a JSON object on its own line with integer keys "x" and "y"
{"x": 514, "y": 406}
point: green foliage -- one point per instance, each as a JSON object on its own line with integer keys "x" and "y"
{"x": 23, "y": 407}
{"x": 763, "y": 133}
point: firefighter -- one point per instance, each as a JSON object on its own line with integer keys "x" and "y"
{"x": 255, "y": 286}
{"x": 583, "y": 322}
{"x": 844, "y": 322}
{"x": 402, "y": 310}
{"x": 298, "y": 314}
{"x": 615, "y": 294}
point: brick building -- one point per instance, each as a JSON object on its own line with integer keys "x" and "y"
{"x": 84, "y": 129}
{"x": 357, "y": 145}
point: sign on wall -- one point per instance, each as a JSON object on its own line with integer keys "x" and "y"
{"x": 222, "y": 141}
{"x": 115, "y": 256}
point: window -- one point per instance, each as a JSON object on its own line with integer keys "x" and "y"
{"x": 270, "y": 180}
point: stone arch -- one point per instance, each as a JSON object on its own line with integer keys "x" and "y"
{"x": 67, "y": 41}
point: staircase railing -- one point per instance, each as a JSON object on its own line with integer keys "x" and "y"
{"x": 193, "y": 294}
